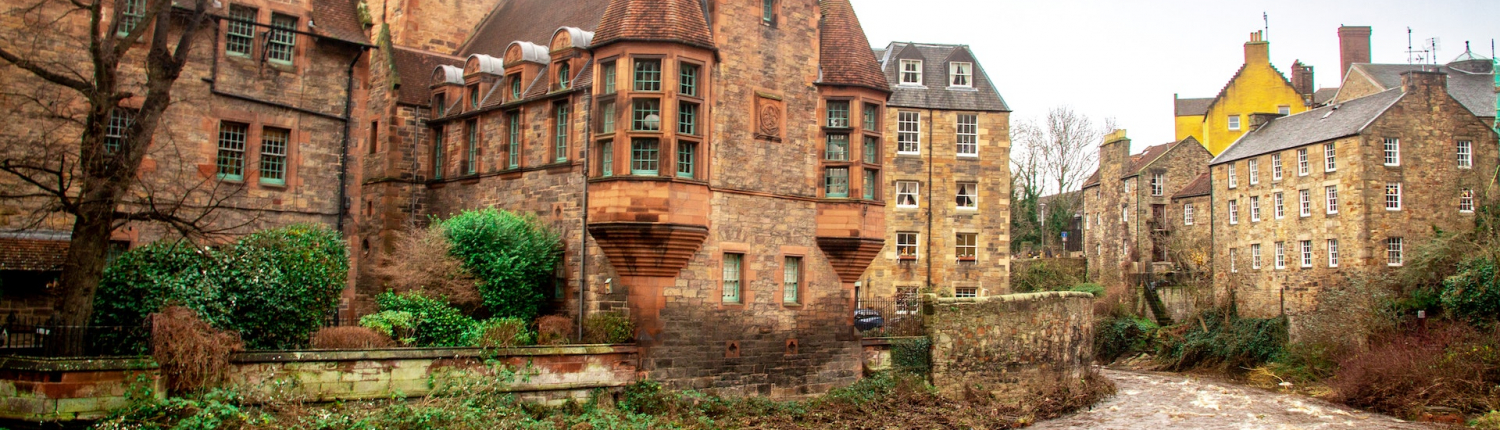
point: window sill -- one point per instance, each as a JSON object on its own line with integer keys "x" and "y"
{"x": 907, "y": 207}
{"x": 908, "y": 154}
{"x": 279, "y": 186}
{"x": 791, "y": 305}
{"x": 906, "y": 258}
{"x": 969, "y": 156}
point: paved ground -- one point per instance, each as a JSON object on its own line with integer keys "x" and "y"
{"x": 1160, "y": 401}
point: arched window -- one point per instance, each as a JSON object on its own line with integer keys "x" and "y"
{"x": 562, "y": 75}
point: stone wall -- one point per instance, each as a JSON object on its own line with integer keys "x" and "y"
{"x": 37, "y": 389}
{"x": 1008, "y": 345}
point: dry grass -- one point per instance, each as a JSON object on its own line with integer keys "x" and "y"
{"x": 553, "y": 330}
{"x": 422, "y": 262}
{"x": 192, "y": 354}
{"x": 1404, "y": 374}
{"x": 350, "y": 337}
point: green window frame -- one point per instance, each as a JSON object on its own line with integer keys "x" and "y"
{"x": 837, "y": 148}
{"x": 687, "y": 118}
{"x": 564, "y": 75}
{"x": 836, "y": 182}
{"x": 471, "y": 148}
{"x": 240, "y": 39}
{"x": 872, "y": 179}
{"x": 439, "y": 105}
{"x": 871, "y": 113}
{"x": 132, "y": 14}
{"x": 768, "y": 11}
{"x": 607, "y": 124}
{"x": 791, "y": 279}
{"x": 282, "y": 42}
{"x": 647, "y": 75}
{"x": 515, "y": 87}
{"x": 120, "y": 120}
{"x": 687, "y": 81}
{"x": 687, "y": 154}
{"x": 560, "y": 137}
{"x": 644, "y": 159}
{"x": 514, "y": 156}
{"x": 642, "y": 112}
{"x": 606, "y": 158}
{"x": 732, "y": 276}
{"x": 872, "y": 150}
{"x": 838, "y": 113}
{"x": 607, "y": 73}
{"x": 437, "y": 153}
{"x": 474, "y": 97}
{"x": 231, "y": 156}
{"x": 273, "y": 144}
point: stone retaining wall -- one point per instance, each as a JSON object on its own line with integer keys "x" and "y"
{"x": 1009, "y": 346}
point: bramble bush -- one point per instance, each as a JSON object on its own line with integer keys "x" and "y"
{"x": 512, "y": 256}
{"x": 433, "y": 322}
{"x": 275, "y": 287}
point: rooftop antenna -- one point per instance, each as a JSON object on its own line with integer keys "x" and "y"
{"x": 1267, "y": 31}
{"x": 1418, "y": 56}
{"x": 1434, "y": 44}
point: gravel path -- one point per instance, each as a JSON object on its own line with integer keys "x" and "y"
{"x": 1160, "y": 401}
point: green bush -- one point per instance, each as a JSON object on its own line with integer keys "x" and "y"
{"x": 608, "y": 327}
{"x": 275, "y": 287}
{"x": 512, "y": 256}
{"x": 912, "y": 355}
{"x": 1116, "y": 337}
{"x": 1212, "y": 338}
{"x": 1091, "y": 288}
{"x": 644, "y": 397}
{"x": 398, "y": 325}
{"x": 1473, "y": 294}
{"x": 500, "y": 333}
{"x": 435, "y": 322}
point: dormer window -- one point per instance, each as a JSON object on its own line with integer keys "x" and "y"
{"x": 562, "y": 76}
{"x": 911, "y": 72}
{"x": 439, "y": 105}
{"x": 474, "y": 97}
{"x": 961, "y": 74}
{"x": 515, "y": 87}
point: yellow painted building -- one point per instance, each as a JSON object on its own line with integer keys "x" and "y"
{"x": 1256, "y": 88}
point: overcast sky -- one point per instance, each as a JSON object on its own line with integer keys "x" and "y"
{"x": 1125, "y": 59}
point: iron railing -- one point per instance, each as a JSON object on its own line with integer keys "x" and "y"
{"x": 49, "y": 337}
{"x": 897, "y": 317}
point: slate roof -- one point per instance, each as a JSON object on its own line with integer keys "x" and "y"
{"x": 935, "y": 93}
{"x": 1323, "y": 95}
{"x": 1317, "y": 125}
{"x": 32, "y": 254}
{"x": 1091, "y": 181}
{"x": 531, "y": 21}
{"x": 338, "y": 19}
{"x": 415, "y": 68}
{"x": 845, "y": 57}
{"x": 1476, "y": 91}
{"x": 1189, "y": 107}
{"x": 1200, "y": 186}
{"x": 659, "y": 20}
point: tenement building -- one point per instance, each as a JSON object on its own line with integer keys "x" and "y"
{"x": 945, "y": 143}
{"x": 256, "y": 129}
{"x": 1127, "y": 225}
{"x": 1302, "y": 201}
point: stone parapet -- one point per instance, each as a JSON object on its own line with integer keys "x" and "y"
{"x": 1009, "y": 346}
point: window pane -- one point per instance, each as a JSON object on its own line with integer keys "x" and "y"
{"x": 648, "y": 75}
{"x": 608, "y": 124}
{"x": 515, "y": 141}
{"x": 273, "y": 144}
{"x": 968, "y": 195}
{"x": 560, "y": 135}
{"x": 606, "y": 158}
{"x": 732, "y": 264}
{"x": 132, "y": 12}
{"x": 838, "y": 113}
{"x": 837, "y": 148}
{"x": 687, "y": 153}
{"x": 646, "y": 115}
{"x": 791, "y": 277}
{"x": 241, "y": 35}
{"x": 687, "y": 118}
{"x": 871, "y": 113}
{"x": 120, "y": 119}
{"x": 564, "y": 75}
{"x": 836, "y": 182}
{"x": 872, "y": 150}
{"x": 231, "y": 158}
{"x": 968, "y": 134}
{"x": 437, "y": 153}
{"x": 688, "y": 80}
{"x": 471, "y": 148}
{"x": 908, "y": 133}
{"x": 871, "y": 182}
{"x": 906, "y": 193}
{"x": 608, "y": 75}
{"x": 643, "y": 159}
{"x": 282, "y": 42}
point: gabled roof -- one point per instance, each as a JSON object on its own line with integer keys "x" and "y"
{"x": 844, "y": 55}
{"x": 935, "y": 92}
{"x": 1191, "y": 107}
{"x": 1323, "y": 95}
{"x": 530, "y": 20}
{"x": 1149, "y": 155}
{"x": 18, "y": 252}
{"x": 1093, "y": 180}
{"x": 1317, "y": 125}
{"x": 679, "y": 21}
{"x": 338, "y": 19}
{"x": 1200, "y": 186}
{"x": 416, "y": 69}
{"x": 1225, "y": 90}
{"x": 1476, "y": 91}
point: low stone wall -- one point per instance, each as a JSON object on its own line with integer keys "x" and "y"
{"x": 1009, "y": 346}
{"x": 41, "y": 390}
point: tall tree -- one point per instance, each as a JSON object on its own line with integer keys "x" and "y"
{"x": 1059, "y": 153}
{"x": 82, "y": 59}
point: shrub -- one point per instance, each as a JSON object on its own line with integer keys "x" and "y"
{"x": 1091, "y": 288}
{"x": 1042, "y": 275}
{"x": 274, "y": 287}
{"x": 350, "y": 338}
{"x": 512, "y": 256}
{"x": 912, "y": 355}
{"x": 1474, "y": 293}
{"x": 644, "y": 397}
{"x": 192, "y": 354}
{"x": 1490, "y": 421}
{"x": 423, "y": 261}
{"x": 434, "y": 321}
{"x": 1119, "y": 336}
{"x": 608, "y": 327}
{"x": 397, "y": 325}
{"x": 499, "y": 333}
{"x": 1218, "y": 337}
{"x": 553, "y": 330}
{"x": 1404, "y": 373}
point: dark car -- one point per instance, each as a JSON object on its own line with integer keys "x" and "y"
{"x": 866, "y": 319}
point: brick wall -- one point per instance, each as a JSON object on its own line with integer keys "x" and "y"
{"x": 1010, "y": 345}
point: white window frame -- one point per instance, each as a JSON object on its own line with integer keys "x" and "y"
{"x": 1254, "y": 208}
{"x": 1125, "y": 214}
{"x": 1234, "y": 211}
{"x": 1276, "y": 167}
{"x": 1187, "y": 214}
{"x": 1306, "y": 253}
{"x": 908, "y": 188}
{"x": 1393, "y": 201}
{"x": 1255, "y": 256}
{"x": 1157, "y": 184}
{"x": 1333, "y": 253}
{"x": 1233, "y": 181}
{"x": 1304, "y": 203}
{"x": 967, "y": 135}
{"x": 1280, "y": 201}
{"x": 960, "y": 245}
{"x": 1466, "y": 200}
{"x": 907, "y": 240}
{"x": 1301, "y": 161}
{"x": 1253, "y": 166}
{"x": 733, "y": 278}
{"x": 1232, "y": 267}
{"x": 1393, "y": 253}
{"x": 1330, "y": 158}
{"x": 1465, "y": 151}
{"x": 1284, "y": 110}
{"x": 972, "y": 189}
{"x": 1280, "y": 255}
{"x": 911, "y": 72}
{"x": 1234, "y": 123}
{"x": 1331, "y": 198}
{"x": 908, "y": 131}
{"x": 964, "y": 70}
{"x": 1392, "y": 147}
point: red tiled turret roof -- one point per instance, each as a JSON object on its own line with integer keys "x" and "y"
{"x": 656, "y": 20}
{"x": 845, "y": 57}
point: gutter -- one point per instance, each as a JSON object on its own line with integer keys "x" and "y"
{"x": 344, "y": 142}
{"x": 931, "y": 147}
{"x": 583, "y": 233}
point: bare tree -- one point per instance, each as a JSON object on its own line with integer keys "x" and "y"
{"x": 75, "y": 164}
{"x": 1057, "y": 154}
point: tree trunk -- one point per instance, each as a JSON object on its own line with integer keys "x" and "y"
{"x": 82, "y": 270}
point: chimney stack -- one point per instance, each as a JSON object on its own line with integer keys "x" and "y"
{"x": 1257, "y": 50}
{"x": 1423, "y": 82}
{"x": 1302, "y": 78}
{"x": 1354, "y": 47}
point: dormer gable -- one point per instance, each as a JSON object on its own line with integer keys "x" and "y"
{"x": 569, "y": 49}
{"x": 524, "y": 62}
{"x": 910, "y": 66}
{"x": 960, "y": 69}
{"x": 447, "y": 86}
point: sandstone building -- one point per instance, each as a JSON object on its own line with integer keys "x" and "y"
{"x": 946, "y": 185}
{"x": 1127, "y": 224}
{"x": 1302, "y": 200}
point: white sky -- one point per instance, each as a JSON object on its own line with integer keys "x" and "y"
{"x": 1125, "y": 58}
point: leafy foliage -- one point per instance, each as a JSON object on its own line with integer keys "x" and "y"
{"x": 350, "y": 338}
{"x": 512, "y": 256}
{"x": 553, "y": 330}
{"x": 274, "y": 287}
{"x": 1091, "y": 288}
{"x": 499, "y": 333}
{"x": 433, "y": 321}
{"x": 608, "y": 327}
{"x": 912, "y": 354}
{"x": 398, "y": 325}
{"x": 1217, "y": 337}
{"x": 1118, "y": 336}
{"x": 1044, "y": 274}
{"x": 1474, "y": 293}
